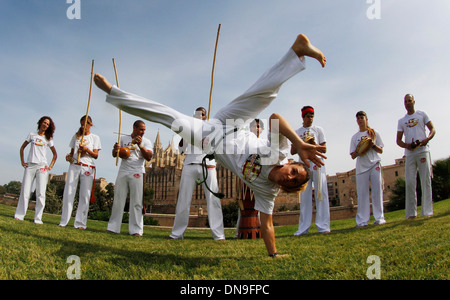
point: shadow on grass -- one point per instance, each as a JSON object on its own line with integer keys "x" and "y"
{"x": 390, "y": 224}
{"x": 118, "y": 256}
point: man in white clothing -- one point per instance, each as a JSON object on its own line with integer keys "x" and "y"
{"x": 318, "y": 177}
{"x": 265, "y": 169}
{"x": 417, "y": 153}
{"x": 192, "y": 171}
{"x": 131, "y": 178}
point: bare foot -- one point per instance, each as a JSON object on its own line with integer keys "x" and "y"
{"x": 102, "y": 83}
{"x": 281, "y": 256}
{"x": 302, "y": 47}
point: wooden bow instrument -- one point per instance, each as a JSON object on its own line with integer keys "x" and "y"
{"x": 87, "y": 113}
{"x": 212, "y": 75}
{"x": 120, "y": 113}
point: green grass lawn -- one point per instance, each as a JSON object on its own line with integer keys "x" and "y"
{"x": 407, "y": 249}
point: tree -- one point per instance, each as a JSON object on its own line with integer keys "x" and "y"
{"x": 53, "y": 200}
{"x": 230, "y": 214}
{"x": 148, "y": 197}
{"x": 441, "y": 179}
{"x": 397, "y": 198}
{"x": 103, "y": 198}
{"x": 440, "y": 185}
{"x": 13, "y": 187}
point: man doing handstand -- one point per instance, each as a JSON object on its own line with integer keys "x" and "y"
{"x": 263, "y": 168}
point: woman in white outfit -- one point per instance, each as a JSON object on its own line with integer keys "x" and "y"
{"x": 82, "y": 171}
{"x": 264, "y": 169}
{"x": 36, "y": 168}
{"x": 368, "y": 170}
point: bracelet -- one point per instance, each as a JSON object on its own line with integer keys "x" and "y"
{"x": 273, "y": 254}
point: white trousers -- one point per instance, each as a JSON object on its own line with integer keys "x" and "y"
{"x": 189, "y": 175}
{"x": 246, "y": 107}
{"x": 85, "y": 175}
{"x": 373, "y": 176}
{"x": 134, "y": 183}
{"x": 322, "y": 206}
{"x": 38, "y": 173}
{"x": 418, "y": 162}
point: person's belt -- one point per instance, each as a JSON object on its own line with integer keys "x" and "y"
{"x": 84, "y": 165}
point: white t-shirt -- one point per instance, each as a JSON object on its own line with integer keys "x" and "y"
{"x": 368, "y": 160}
{"x": 314, "y": 131}
{"x": 253, "y": 160}
{"x": 194, "y": 155}
{"x": 91, "y": 141}
{"x": 413, "y": 127}
{"x": 135, "y": 164}
{"x": 38, "y": 149}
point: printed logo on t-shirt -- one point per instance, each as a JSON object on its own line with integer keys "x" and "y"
{"x": 363, "y": 137}
{"x": 39, "y": 142}
{"x": 423, "y": 160}
{"x": 412, "y": 122}
{"x": 83, "y": 142}
{"x": 132, "y": 146}
{"x": 252, "y": 167}
{"x": 87, "y": 173}
{"x": 306, "y": 134}
{"x": 137, "y": 176}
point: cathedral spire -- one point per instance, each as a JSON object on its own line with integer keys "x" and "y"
{"x": 158, "y": 144}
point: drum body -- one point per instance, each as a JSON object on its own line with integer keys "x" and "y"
{"x": 249, "y": 225}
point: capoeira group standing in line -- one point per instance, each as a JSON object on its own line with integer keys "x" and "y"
{"x": 261, "y": 164}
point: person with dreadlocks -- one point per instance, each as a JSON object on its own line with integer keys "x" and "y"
{"x": 82, "y": 171}
{"x": 264, "y": 168}
{"x": 368, "y": 169}
{"x": 36, "y": 168}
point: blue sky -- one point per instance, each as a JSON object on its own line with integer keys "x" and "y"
{"x": 164, "y": 51}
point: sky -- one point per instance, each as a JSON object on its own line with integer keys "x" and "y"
{"x": 377, "y": 51}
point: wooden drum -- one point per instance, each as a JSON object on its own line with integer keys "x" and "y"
{"x": 249, "y": 225}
